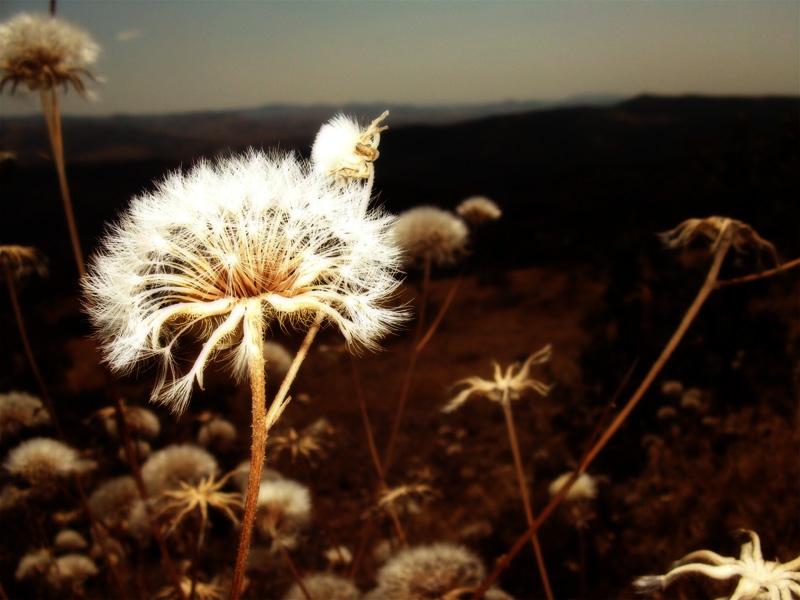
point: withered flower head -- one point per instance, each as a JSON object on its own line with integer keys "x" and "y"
{"x": 478, "y": 210}
{"x": 345, "y": 151}
{"x": 42, "y": 52}
{"x": 427, "y": 233}
{"x": 744, "y": 238}
{"x": 22, "y": 260}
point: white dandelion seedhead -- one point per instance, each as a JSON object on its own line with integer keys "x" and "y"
{"x": 165, "y": 469}
{"x": 324, "y": 585}
{"x": 478, "y": 210}
{"x": 284, "y": 511}
{"x": 584, "y": 488}
{"x": 112, "y": 500}
{"x": 19, "y": 410}
{"x": 42, "y": 460}
{"x": 227, "y": 248}
{"x": 43, "y": 51}
{"x": 69, "y": 540}
{"x": 430, "y": 233}
{"x": 345, "y": 151}
{"x": 441, "y": 570}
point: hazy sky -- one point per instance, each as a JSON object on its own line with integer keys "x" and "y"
{"x": 181, "y": 55}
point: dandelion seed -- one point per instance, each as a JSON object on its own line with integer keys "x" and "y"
{"x": 478, "y": 210}
{"x": 758, "y": 579}
{"x": 427, "y": 233}
{"x": 43, "y": 52}
{"x": 43, "y": 460}
{"x": 441, "y": 570}
{"x": 165, "y": 469}
{"x": 324, "y": 585}
{"x": 231, "y": 247}
{"x": 20, "y": 410}
{"x": 284, "y": 511}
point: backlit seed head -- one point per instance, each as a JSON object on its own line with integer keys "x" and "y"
{"x": 19, "y": 410}
{"x": 324, "y": 585}
{"x": 42, "y": 52}
{"x": 43, "y": 460}
{"x": 69, "y": 540}
{"x": 284, "y": 511}
{"x": 112, "y": 500}
{"x": 584, "y": 488}
{"x": 175, "y": 463}
{"x": 345, "y": 151}
{"x": 218, "y": 434}
{"x": 430, "y": 233}
{"x": 478, "y": 210}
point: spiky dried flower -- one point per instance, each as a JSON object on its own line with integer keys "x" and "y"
{"x": 230, "y": 247}
{"x": 202, "y": 591}
{"x": 398, "y": 497}
{"x": 584, "y": 488}
{"x": 165, "y": 469}
{"x": 744, "y": 238}
{"x": 309, "y": 443}
{"x": 43, "y": 51}
{"x": 439, "y": 571}
{"x": 284, "y": 511}
{"x": 177, "y": 504}
{"x": 22, "y": 260}
{"x": 19, "y": 410}
{"x": 478, "y": 210}
{"x": 758, "y": 579}
{"x": 42, "y": 460}
{"x": 430, "y": 233}
{"x": 345, "y": 151}
{"x": 324, "y": 585}
{"x": 504, "y": 387}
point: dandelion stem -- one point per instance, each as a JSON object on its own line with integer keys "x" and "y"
{"x": 707, "y": 287}
{"x": 523, "y": 488}
{"x": 53, "y": 118}
{"x": 295, "y": 574}
{"x": 756, "y": 276}
{"x": 263, "y": 420}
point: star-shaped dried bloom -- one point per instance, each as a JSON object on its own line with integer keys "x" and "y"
{"x": 744, "y": 238}
{"x": 220, "y": 252}
{"x": 43, "y": 51}
{"x": 505, "y": 386}
{"x": 759, "y": 579}
{"x": 308, "y": 443}
{"x": 22, "y": 260}
{"x": 345, "y": 151}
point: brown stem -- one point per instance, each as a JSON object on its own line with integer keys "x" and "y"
{"x": 523, "y": 488}
{"x": 295, "y": 574}
{"x": 784, "y": 267}
{"x": 432, "y": 329}
{"x": 690, "y": 315}
{"x": 373, "y": 450}
{"x": 53, "y": 119}
{"x": 262, "y": 422}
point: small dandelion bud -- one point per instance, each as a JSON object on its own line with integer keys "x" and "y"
{"x": 19, "y": 410}
{"x": 165, "y": 469}
{"x": 430, "y": 233}
{"x": 42, "y": 52}
{"x": 218, "y": 434}
{"x": 478, "y": 210}
{"x": 584, "y": 487}
{"x": 324, "y": 585}
{"x": 345, "y": 151}
{"x": 69, "y": 540}
{"x": 435, "y": 571}
{"x": 284, "y": 511}
{"x": 42, "y": 460}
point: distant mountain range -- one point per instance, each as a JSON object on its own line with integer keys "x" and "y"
{"x": 183, "y": 136}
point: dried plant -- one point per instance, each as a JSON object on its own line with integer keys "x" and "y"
{"x": 345, "y": 151}
{"x": 310, "y": 442}
{"x": 431, "y": 235}
{"x": 323, "y": 586}
{"x": 41, "y": 461}
{"x": 758, "y": 578}
{"x": 20, "y": 410}
{"x": 478, "y": 210}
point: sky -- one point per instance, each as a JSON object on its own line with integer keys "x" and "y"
{"x": 162, "y": 56}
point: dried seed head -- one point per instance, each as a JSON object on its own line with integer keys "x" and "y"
{"x": 427, "y": 572}
{"x": 230, "y": 247}
{"x": 173, "y": 464}
{"x": 22, "y": 260}
{"x": 42, "y": 460}
{"x": 69, "y": 540}
{"x": 744, "y": 238}
{"x": 430, "y": 233}
{"x": 34, "y": 564}
{"x": 478, "y": 210}
{"x": 112, "y": 500}
{"x": 19, "y": 410}
{"x": 584, "y": 488}
{"x": 218, "y": 434}
{"x": 345, "y": 151}
{"x": 142, "y": 422}
{"x": 284, "y": 511}
{"x": 71, "y": 571}
{"x": 42, "y": 52}
{"x": 277, "y": 359}
{"x": 324, "y": 585}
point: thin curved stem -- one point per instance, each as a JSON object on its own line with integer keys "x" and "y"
{"x": 706, "y": 289}
{"x": 523, "y": 488}
{"x": 756, "y": 276}
{"x": 263, "y": 420}
{"x": 295, "y": 573}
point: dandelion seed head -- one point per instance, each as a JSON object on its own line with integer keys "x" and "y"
{"x": 584, "y": 488}
{"x": 427, "y": 572}
{"x": 71, "y": 570}
{"x": 142, "y": 422}
{"x": 277, "y": 358}
{"x": 43, "y": 51}
{"x": 345, "y": 151}
{"x": 324, "y": 585}
{"x": 69, "y": 540}
{"x": 284, "y": 510}
{"x": 427, "y": 232}
{"x": 33, "y": 564}
{"x": 304, "y": 249}
{"x": 175, "y": 463}
{"x": 112, "y": 500}
{"x": 41, "y": 460}
{"x": 478, "y": 210}
{"x": 19, "y": 410}
{"x": 218, "y": 434}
